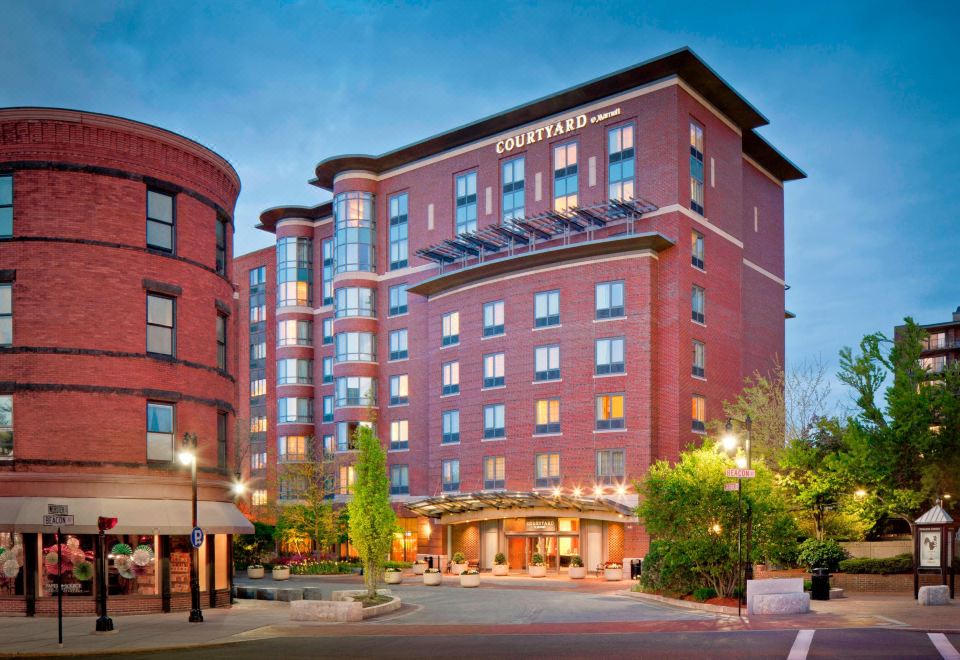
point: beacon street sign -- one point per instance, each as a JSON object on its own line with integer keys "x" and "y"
{"x": 737, "y": 473}
{"x": 57, "y": 521}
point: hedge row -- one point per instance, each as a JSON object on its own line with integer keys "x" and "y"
{"x": 886, "y": 566}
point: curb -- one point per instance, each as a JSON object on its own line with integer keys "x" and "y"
{"x": 686, "y": 604}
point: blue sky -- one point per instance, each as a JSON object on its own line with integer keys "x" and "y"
{"x": 863, "y": 96}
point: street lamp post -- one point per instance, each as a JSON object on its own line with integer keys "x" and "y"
{"x": 730, "y": 444}
{"x": 188, "y": 456}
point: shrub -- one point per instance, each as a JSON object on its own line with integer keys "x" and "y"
{"x": 432, "y": 570}
{"x": 459, "y": 558}
{"x": 808, "y": 585}
{"x": 471, "y": 571}
{"x": 704, "y": 593}
{"x": 575, "y": 561}
{"x": 391, "y": 569}
{"x": 886, "y": 566}
{"x": 500, "y": 559}
{"x": 821, "y": 554}
{"x": 536, "y": 560}
{"x": 398, "y": 564}
{"x": 666, "y": 570}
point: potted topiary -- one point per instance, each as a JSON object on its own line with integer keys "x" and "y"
{"x": 393, "y": 576}
{"x": 612, "y": 571}
{"x": 577, "y": 570}
{"x": 459, "y": 563}
{"x": 432, "y": 577}
{"x": 537, "y": 567}
{"x": 500, "y": 564}
{"x": 470, "y": 578}
{"x": 255, "y": 571}
{"x": 419, "y": 566}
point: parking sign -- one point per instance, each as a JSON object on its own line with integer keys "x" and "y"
{"x": 196, "y": 537}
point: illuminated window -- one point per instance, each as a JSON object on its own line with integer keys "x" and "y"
{"x": 513, "y": 189}
{"x": 398, "y": 344}
{"x": 547, "y": 470}
{"x": 450, "y": 378}
{"x": 398, "y": 390}
{"x": 6, "y": 314}
{"x": 451, "y": 475}
{"x": 356, "y": 391}
{"x": 356, "y": 347}
{"x": 258, "y": 424}
{"x": 258, "y": 387}
{"x": 6, "y": 206}
{"x": 259, "y": 497}
{"x": 466, "y": 192}
{"x": 493, "y": 370}
{"x": 294, "y": 333}
{"x": 610, "y": 466}
{"x": 294, "y": 371}
{"x": 329, "y": 445}
{"x": 698, "y": 299}
{"x": 258, "y": 458}
{"x": 609, "y": 299}
{"x": 161, "y": 215}
{"x": 609, "y": 356}
{"x": 347, "y": 479}
{"x": 398, "y": 231}
{"x": 493, "y": 318}
{"x": 565, "y": 176}
{"x": 6, "y": 426}
{"x": 696, "y": 167}
{"x": 547, "y": 416}
{"x": 161, "y": 315}
{"x": 620, "y": 157}
{"x": 355, "y": 237}
{"x": 355, "y": 301}
{"x": 696, "y": 249}
{"x": 399, "y": 434}
{"x": 293, "y": 448}
{"x": 398, "y": 299}
{"x": 546, "y": 309}
{"x": 494, "y": 472}
{"x": 159, "y": 431}
{"x": 399, "y": 480}
{"x": 610, "y": 411}
{"x": 494, "y": 425}
{"x": 294, "y": 272}
{"x": 699, "y": 413}
{"x": 258, "y": 306}
{"x": 294, "y": 410}
{"x": 699, "y": 359}
{"x": 546, "y": 361}
{"x": 451, "y": 427}
{"x": 450, "y": 327}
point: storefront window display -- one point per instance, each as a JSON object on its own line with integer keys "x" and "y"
{"x": 11, "y": 564}
{"x": 132, "y": 565}
{"x": 75, "y": 565}
{"x": 180, "y": 564}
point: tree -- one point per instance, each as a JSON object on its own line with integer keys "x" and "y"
{"x": 372, "y": 519}
{"x": 308, "y": 522}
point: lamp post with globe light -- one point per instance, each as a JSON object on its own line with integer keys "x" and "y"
{"x": 188, "y": 456}
{"x": 731, "y": 442}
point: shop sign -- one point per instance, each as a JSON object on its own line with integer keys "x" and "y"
{"x": 541, "y": 524}
{"x": 930, "y": 548}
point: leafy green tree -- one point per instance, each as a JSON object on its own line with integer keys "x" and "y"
{"x": 308, "y": 523}
{"x": 372, "y": 519}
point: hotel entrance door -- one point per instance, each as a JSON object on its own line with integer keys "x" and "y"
{"x": 516, "y": 553}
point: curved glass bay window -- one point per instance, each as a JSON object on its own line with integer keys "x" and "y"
{"x": 294, "y": 371}
{"x": 294, "y": 272}
{"x": 355, "y": 301}
{"x": 355, "y": 237}
{"x": 356, "y": 391}
{"x": 294, "y": 410}
{"x": 356, "y": 347}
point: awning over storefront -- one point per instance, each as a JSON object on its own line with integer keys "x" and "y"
{"x": 484, "y": 501}
{"x": 134, "y": 516}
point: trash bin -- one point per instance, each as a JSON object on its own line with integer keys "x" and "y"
{"x": 429, "y": 561}
{"x": 820, "y": 584}
{"x": 636, "y": 567}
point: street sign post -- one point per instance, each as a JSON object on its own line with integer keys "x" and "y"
{"x": 59, "y": 515}
{"x": 58, "y": 521}
{"x": 739, "y": 473}
{"x": 196, "y": 537}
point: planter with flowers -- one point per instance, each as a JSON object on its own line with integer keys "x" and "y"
{"x": 419, "y": 566}
{"x": 577, "y": 570}
{"x": 432, "y": 577}
{"x": 612, "y": 571}
{"x": 500, "y": 564}
{"x": 393, "y": 576}
{"x": 281, "y": 570}
{"x": 470, "y": 578}
{"x": 255, "y": 571}
{"x": 537, "y": 567}
{"x": 459, "y": 563}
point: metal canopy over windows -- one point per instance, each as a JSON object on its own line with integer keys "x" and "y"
{"x": 434, "y": 507}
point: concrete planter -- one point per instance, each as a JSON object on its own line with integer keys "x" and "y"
{"x": 418, "y": 569}
{"x": 281, "y": 572}
{"x": 537, "y": 571}
{"x": 432, "y": 579}
{"x": 255, "y": 572}
{"x": 393, "y": 577}
{"x": 457, "y": 569}
{"x": 500, "y": 569}
{"x": 470, "y": 581}
{"x": 578, "y": 572}
{"x": 613, "y": 574}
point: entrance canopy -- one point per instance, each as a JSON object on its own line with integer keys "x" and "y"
{"x": 488, "y": 502}
{"x": 134, "y": 516}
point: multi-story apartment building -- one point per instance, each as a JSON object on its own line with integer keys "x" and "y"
{"x": 942, "y": 345}
{"x": 537, "y": 306}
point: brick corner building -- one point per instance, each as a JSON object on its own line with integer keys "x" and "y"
{"x": 116, "y": 313}
{"x": 538, "y": 305}
{"x": 941, "y": 347}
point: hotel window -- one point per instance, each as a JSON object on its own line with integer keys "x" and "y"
{"x": 451, "y": 476}
{"x": 327, "y": 331}
{"x": 160, "y": 221}
{"x": 493, "y": 318}
{"x": 6, "y": 314}
{"x": 356, "y": 347}
{"x": 292, "y": 487}
{"x": 6, "y": 426}
{"x": 699, "y": 413}
{"x": 259, "y": 497}
{"x": 548, "y": 416}
{"x": 494, "y": 472}
{"x": 328, "y": 370}
{"x": 326, "y": 276}
{"x": 698, "y": 303}
{"x": 258, "y": 276}
{"x": 620, "y": 150}
{"x": 293, "y": 448}
{"x": 513, "y": 189}
{"x": 221, "y": 253}
{"x": 565, "y": 176}
{"x": 356, "y": 391}
{"x": 221, "y": 439}
{"x": 294, "y": 371}
{"x": 159, "y": 431}
{"x": 494, "y": 425}
{"x": 161, "y": 315}
{"x": 696, "y": 167}
{"x": 398, "y": 344}
{"x": 355, "y": 233}
{"x": 329, "y": 445}
{"x": 355, "y": 301}
{"x": 399, "y": 434}
{"x": 699, "y": 359}
{"x": 398, "y": 300}
{"x": 936, "y": 340}
{"x": 696, "y": 249}
{"x": 258, "y": 306}
{"x": 258, "y": 458}
{"x": 451, "y": 427}
{"x": 348, "y": 478}
{"x": 451, "y": 378}
{"x": 258, "y": 424}
{"x": 547, "y": 470}
{"x": 258, "y": 388}
{"x": 294, "y": 333}
{"x": 398, "y": 231}
{"x": 295, "y": 411}
{"x": 221, "y": 342}
{"x": 546, "y": 362}
{"x": 546, "y": 309}
{"x": 346, "y": 434}
{"x": 935, "y": 364}
{"x": 610, "y": 466}
{"x": 399, "y": 480}
{"x": 493, "y": 370}
{"x": 610, "y": 412}
{"x": 327, "y": 409}
{"x": 609, "y": 356}
{"x": 6, "y": 206}
{"x": 609, "y": 300}
{"x": 258, "y": 350}
{"x": 398, "y": 390}
{"x": 450, "y": 329}
{"x": 294, "y": 272}
{"x": 466, "y": 190}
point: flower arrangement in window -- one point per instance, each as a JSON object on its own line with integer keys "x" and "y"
{"x": 70, "y": 559}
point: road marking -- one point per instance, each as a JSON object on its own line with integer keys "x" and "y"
{"x": 893, "y": 621}
{"x": 801, "y": 645}
{"x": 947, "y": 652}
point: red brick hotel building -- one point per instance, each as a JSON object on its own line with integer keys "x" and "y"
{"x": 537, "y": 305}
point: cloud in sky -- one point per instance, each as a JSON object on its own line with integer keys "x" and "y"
{"x": 863, "y": 96}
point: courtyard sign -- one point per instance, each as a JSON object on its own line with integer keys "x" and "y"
{"x": 541, "y": 524}
{"x": 550, "y": 131}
